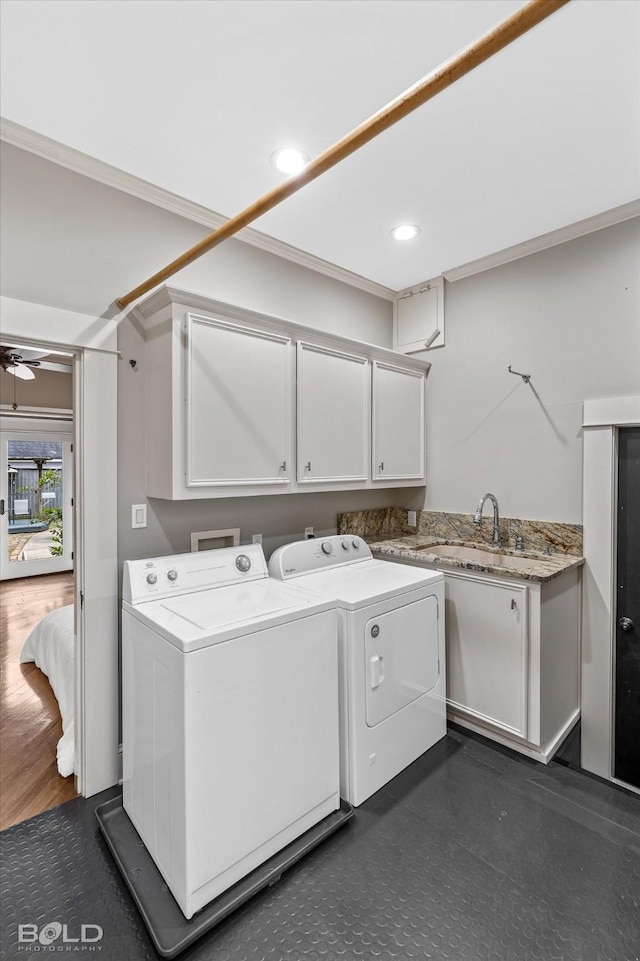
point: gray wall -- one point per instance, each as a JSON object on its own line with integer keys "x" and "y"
{"x": 67, "y": 241}
{"x": 70, "y": 242}
{"x": 570, "y": 317}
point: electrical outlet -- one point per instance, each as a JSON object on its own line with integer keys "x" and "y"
{"x": 411, "y": 518}
{"x": 256, "y": 538}
{"x": 308, "y": 533}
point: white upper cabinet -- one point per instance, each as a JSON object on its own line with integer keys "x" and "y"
{"x": 418, "y": 317}
{"x": 398, "y": 423}
{"x": 333, "y": 415}
{"x": 238, "y": 404}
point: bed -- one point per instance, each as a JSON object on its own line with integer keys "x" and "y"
{"x": 51, "y": 647}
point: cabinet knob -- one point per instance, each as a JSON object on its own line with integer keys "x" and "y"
{"x": 625, "y": 624}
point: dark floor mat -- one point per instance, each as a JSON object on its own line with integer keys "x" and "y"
{"x": 170, "y": 931}
{"x": 459, "y": 858}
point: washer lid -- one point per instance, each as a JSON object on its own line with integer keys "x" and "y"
{"x": 212, "y": 610}
{"x": 358, "y": 585}
{"x": 204, "y": 618}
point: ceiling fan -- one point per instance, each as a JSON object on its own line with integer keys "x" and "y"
{"x": 22, "y": 361}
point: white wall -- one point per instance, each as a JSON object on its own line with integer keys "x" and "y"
{"x": 570, "y": 317}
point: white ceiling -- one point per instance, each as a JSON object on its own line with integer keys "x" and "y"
{"x": 195, "y": 95}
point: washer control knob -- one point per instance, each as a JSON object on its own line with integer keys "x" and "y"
{"x": 356, "y": 543}
{"x": 243, "y": 563}
{"x": 345, "y": 545}
{"x": 327, "y": 548}
{"x": 172, "y": 575}
{"x": 152, "y": 578}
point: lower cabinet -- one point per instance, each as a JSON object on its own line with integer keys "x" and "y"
{"x": 513, "y": 658}
{"x": 487, "y": 639}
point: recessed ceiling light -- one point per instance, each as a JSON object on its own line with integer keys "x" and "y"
{"x": 405, "y": 232}
{"x": 289, "y": 160}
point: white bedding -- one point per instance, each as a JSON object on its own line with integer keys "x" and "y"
{"x": 50, "y": 645}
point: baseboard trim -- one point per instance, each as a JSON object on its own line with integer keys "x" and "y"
{"x": 542, "y": 754}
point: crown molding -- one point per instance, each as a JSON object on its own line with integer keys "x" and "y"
{"x": 81, "y": 163}
{"x": 571, "y": 232}
{"x": 166, "y": 296}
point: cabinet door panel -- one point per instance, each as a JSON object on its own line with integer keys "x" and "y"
{"x": 487, "y": 649}
{"x": 238, "y": 404}
{"x": 398, "y": 424}
{"x": 418, "y": 314}
{"x": 333, "y": 415}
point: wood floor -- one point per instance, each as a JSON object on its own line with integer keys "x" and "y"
{"x": 30, "y": 725}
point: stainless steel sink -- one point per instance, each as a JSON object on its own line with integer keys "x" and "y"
{"x": 475, "y": 555}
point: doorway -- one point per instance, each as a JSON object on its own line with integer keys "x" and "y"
{"x": 92, "y": 341}
{"x": 604, "y": 423}
{"x": 36, "y": 503}
{"x": 38, "y": 583}
{"x": 627, "y": 637}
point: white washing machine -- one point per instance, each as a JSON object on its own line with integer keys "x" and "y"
{"x": 230, "y": 715}
{"x": 391, "y": 654}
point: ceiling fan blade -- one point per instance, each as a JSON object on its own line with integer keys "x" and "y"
{"x": 27, "y": 353}
{"x": 21, "y": 371}
{"x": 58, "y": 368}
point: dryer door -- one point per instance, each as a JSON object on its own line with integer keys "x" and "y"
{"x": 401, "y": 650}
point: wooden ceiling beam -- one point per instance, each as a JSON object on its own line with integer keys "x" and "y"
{"x": 415, "y": 96}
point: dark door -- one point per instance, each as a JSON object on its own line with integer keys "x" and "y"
{"x": 627, "y": 671}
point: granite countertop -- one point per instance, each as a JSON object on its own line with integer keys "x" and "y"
{"x": 421, "y": 548}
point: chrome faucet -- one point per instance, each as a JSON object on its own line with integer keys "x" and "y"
{"x": 496, "y": 519}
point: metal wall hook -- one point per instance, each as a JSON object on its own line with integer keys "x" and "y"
{"x": 526, "y": 377}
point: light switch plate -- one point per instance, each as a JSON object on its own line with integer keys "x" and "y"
{"x": 411, "y": 518}
{"x": 138, "y": 515}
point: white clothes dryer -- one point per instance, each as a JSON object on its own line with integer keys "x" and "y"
{"x": 391, "y": 654}
{"x": 230, "y": 715}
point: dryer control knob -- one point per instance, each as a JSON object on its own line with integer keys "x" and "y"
{"x": 327, "y": 548}
{"x": 172, "y": 575}
{"x": 356, "y": 543}
{"x": 152, "y": 578}
{"x": 243, "y": 563}
{"x": 345, "y": 545}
